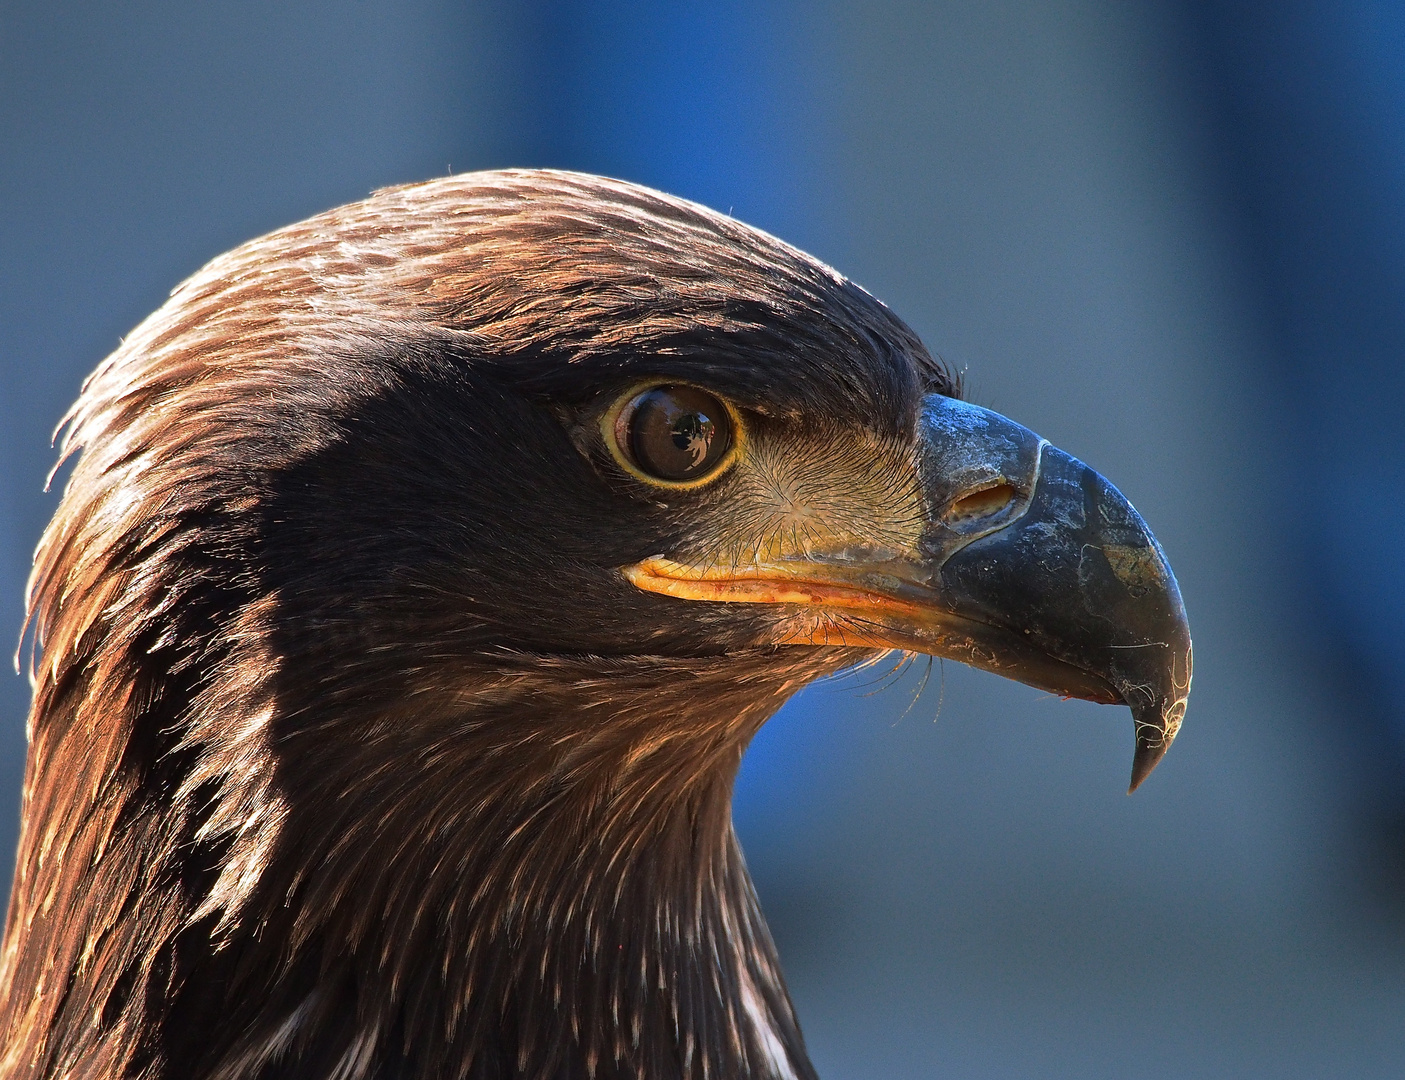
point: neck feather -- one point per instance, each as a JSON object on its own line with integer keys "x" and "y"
{"x": 525, "y": 870}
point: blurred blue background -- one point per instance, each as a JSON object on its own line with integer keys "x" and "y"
{"x": 1169, "y": 236}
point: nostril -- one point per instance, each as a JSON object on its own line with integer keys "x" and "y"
{"x": 983, "y": 503}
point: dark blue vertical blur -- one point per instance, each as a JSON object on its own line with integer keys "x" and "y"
{"x": 1307, "y": 100}
{"x": 708, "y": 101}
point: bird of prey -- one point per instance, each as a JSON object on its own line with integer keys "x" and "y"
{"x": 423, "y": 572}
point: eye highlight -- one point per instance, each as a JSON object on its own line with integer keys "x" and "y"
{"x": 677, "y": 435}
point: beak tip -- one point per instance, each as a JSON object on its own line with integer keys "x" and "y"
{"x": 1143, "y": 762}
{"x": 1157, "y": 726}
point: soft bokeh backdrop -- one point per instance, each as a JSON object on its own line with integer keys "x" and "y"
{"x": 1166, "y": 234}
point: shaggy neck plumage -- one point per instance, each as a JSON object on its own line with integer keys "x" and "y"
{"x": 553, "y": 890}
{"x": 527, "y": 870}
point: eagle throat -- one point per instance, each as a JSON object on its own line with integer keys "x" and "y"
{"x": 527, "y": 869}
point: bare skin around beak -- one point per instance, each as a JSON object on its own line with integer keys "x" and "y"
{"x": 1030, "y": 565}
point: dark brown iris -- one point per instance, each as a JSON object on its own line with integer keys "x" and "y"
{"x": 678, "y": 432}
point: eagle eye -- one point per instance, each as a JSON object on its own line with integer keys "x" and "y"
{"x": 675, "y": 434}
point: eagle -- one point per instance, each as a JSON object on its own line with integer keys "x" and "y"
{"x": 423, "y": 572}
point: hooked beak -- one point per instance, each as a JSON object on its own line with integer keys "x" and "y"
{"x": 1030, "y": 565}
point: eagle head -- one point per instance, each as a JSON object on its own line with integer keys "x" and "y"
{"x": 427, "y": 567}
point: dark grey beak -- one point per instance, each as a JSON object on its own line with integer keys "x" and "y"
{"x": 1060, "y": 581}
